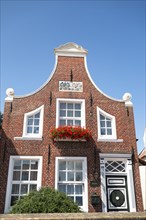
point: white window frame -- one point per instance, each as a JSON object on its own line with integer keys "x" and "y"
{"x": 85, "y": 181}
{"x": 82, "y": 101}
{"x": 113, "y": 125}
{"x": 10, "y": 176}
{"x": 26, "y": 115}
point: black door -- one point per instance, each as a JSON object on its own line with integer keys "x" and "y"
{"x": 117, "y": 195}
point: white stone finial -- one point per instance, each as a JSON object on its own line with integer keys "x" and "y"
{"x": 10, "y": 94}
{"x": 127, "y": 99}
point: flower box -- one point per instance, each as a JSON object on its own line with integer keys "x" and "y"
{"x": 70, "y": 133}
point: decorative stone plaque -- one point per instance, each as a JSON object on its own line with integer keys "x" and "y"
{"x": 70, "y": 86}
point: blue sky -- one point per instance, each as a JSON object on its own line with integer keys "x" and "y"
{"x": 113, "y": 32}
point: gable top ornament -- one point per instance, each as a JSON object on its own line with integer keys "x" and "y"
{"x": 70, "y": 49}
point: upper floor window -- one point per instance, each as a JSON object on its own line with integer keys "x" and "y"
{"x": 33, "y": 123}
{"x": 70, "y": 112}
{"x": 106, "y": 125}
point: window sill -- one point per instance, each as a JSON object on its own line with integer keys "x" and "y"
{"x": 69, "y": 140}
{"x": 28, "y": 138}
{"x": 110, "y": 140}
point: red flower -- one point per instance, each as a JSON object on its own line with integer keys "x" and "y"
{"x": 64, "y": 132}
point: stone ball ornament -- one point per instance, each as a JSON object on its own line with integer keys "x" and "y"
{"x": 127, "y": 96}
{"x": 10, "y": 94}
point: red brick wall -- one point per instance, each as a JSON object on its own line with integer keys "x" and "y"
{"x": 13, "y": 127}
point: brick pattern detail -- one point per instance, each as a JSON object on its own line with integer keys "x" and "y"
{"x": 13, "y": 127}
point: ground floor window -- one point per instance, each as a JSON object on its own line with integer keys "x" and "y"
{"x": 117, "y": 185}
{"x": 24, "y": 176}
{"x": 71, "y": 178}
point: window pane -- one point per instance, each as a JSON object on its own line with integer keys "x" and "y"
{"x": 79, "y": 200}
{"x": 17, "y": 165}
{"x": 62, "y": 113}
{"x": 16, "y": 175}
{"x": 78, "y": 189}
{"x": 14, "y": 199}
{"x": 70, "y": 176}
{"x": 70, "y": 122}
{"x": 62, "y": 122}
{"x": 33, "y": 175}
{"x": 24, "y": 188}
{"x": 36, "y": 130}
{"x": 36, "y": 121}
{"x": 69, "y": 113}
{"x": 70, "y": 189}
{"x": 25, "y": 175}
{"x": 108, "y": 123}
{"x": 78, "y": 165}
{"x": 69, "y": 106}
{"x": 109, "y": 131}
{"x": 77, "y": 106}
{"x": 29, "y": 130}
{"x": 77, "y": 122}
{"x": 79, "y": 176}
{"x": 32, "y": 187}
{"x": 62, "y": 188}
{"x": 62, "y": 105}
{"x": 25, "y": 165}
{"x": 70, "y": 165}
{"x": 34, "y": 165}
{"x": 77, "y": 114}
{"x": 15, "y": 189}
{"x": 30, "y": 121}
{"x": 102, "y": 117}
{"x": 62, "y": 176}
{"x": 62, "y": 165}
{"x": 37, "y": 115}
{"x": 102, "y": 131}
{"x": 102, "y": 123}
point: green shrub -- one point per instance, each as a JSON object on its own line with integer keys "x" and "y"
{"x": 46, "y": 200}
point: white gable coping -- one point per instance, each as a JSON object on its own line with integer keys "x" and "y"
{"x": 72, "y": 49}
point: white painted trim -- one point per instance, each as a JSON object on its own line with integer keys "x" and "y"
{"x": 102, "y": 155}
{"x": 10, "y": 173}
{"x": 38, "y": 136}
{"x": 85, "y": 180}
{"x": 110, "y": 140}
{"x": 113, "y": 122}
{"x": 28, "y": 138}
{"x": 82, "y": 101}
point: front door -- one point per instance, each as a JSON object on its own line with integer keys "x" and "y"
{"x": 117, "y": 195}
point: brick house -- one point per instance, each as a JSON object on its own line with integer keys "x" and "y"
{"x": 101, "y": 174}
